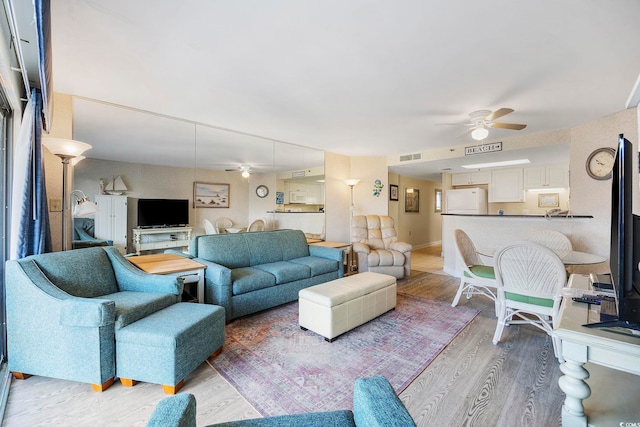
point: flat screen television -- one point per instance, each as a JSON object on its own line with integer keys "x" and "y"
{"x": 624, "y": 258}
{"x": 156, "y": 213}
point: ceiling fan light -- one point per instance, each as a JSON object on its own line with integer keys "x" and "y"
{"x": 245, "y": 174}
{"x": 479, "y": 133}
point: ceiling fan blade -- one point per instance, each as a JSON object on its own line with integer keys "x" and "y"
{"x": 499, "y": 113}
{"x": 512, "y": 126}
{"x": 232, "y": 170}
{"x": 466, "y": 132}
{"x": 454, "y": 124}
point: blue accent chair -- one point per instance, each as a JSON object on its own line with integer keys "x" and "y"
{"x": 63, "y": 310}
{"x": 375, "y": 404}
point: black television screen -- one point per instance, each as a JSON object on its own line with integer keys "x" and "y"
{"x": 623, "y": 256}
{"x": 163, "y": 212}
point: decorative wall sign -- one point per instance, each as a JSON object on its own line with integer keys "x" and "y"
{"x": 484, "y": 148}
{"x": 411, "y": 200}
{"x": 393, "y": 193}
{"x": 210, "y": 195}
{"x": 377, "y": 187}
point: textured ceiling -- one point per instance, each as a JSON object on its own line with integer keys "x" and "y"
{"x": 355, "y": 77}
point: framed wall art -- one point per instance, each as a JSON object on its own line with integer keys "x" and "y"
{"x": 210, "y": 195}
{"x": 393, "y": 193}
{"x": 549, "y": 200}
{"x": 411, "y": 200}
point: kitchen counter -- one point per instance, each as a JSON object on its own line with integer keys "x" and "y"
{"x": 523, "y": 216}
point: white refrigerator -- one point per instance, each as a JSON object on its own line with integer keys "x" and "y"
{"x": 470, "y": 201}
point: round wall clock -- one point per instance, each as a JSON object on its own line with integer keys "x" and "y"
{"x": 600, "y": 163}
{"x": 262, "y": 191}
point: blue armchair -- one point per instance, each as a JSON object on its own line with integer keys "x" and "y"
{"x": 375, "y": 404}
{"x": 63, "y": 309}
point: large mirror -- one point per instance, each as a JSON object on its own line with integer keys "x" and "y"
{"x": 156, "y": 156}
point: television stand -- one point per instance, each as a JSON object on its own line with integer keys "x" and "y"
{"x": 152, "y": 239}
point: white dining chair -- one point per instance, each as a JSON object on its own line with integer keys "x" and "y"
{"x": 208, "y": 227}
{"x": 552, "y": 239}
{"x": 475, "y": 277}
{"x": 222, "y": 224}
{"x": 530, "y": 278}
{"x": 257, "y": 225}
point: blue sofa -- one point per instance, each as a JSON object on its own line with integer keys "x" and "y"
{"x": 63, "y": 310}
{"x": 250, "y": 272}
{"x": 375, "y": 404}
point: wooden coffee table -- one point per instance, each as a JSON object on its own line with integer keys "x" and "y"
{"x": 173, "y": 265}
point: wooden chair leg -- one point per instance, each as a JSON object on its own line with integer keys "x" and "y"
{"x": 21, "y": 375}
{"x": 128, "y": 382}
{"x": 216, "y": 353}
{"x": 172, "y": 389}
{"x": 102, "y": 387}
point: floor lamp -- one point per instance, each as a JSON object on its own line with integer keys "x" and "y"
{"x": 351, "y": 183}
{"x": 66, "y": 149}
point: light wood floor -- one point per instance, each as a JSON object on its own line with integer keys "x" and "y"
{"x": 471, "y": 383}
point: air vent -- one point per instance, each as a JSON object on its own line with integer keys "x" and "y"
{"x": 409, "y": 157}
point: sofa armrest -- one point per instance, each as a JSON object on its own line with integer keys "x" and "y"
{"x": 217, "y": 286}
{"x": 328, "y": 253}
{"x": 131, "y": 278}
{"x": 375, "y": 403}
{"x": 87, "y": 312}
{"x": 361, "y": 248}
{"x": 401, "y": 247}
{"x": 175, "y": 411}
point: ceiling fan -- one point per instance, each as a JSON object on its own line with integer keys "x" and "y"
{"x": 245, "y": 169}
{"x": 481, "y": 120}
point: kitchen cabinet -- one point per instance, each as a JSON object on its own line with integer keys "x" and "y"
{"x": 315, "y": 194}
{"x": 552, "y": 176}
{"x": 471, "y": 178}
{"x": 111, "y": 222}
{"x": 507, "y": 185}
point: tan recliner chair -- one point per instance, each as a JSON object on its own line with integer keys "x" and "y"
{"x": 375, "y": 241}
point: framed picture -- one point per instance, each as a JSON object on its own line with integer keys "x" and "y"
{"x": 411, "y": 200}
{"x": 210, "y": 195}
{"x": 393, "y": 192}
{"x": 548, "y": 200}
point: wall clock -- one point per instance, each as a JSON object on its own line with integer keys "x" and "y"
{"x": 600, "y": 163}
{"x": 262, "y": 191}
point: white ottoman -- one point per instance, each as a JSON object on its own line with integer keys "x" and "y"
{"x": 335, "y": 307}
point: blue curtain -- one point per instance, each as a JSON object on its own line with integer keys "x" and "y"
{"x": 34, "y": 231}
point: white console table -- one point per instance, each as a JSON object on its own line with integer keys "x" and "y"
{"x": 149, "y": 239}
{"x": 609, "y": 360}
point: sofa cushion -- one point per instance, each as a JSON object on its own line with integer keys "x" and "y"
{"x": 317, "y": 265}
{"x": 249, "y": 279}
{"x": 83, "y": 273}
{"x": 133, "y": 306}
{"x": 229, "y": 250}
{"x": 285, "y": 271}
{"x": 294, "y": 244}
{"x": 264, "y": 247}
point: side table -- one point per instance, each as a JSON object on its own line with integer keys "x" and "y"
{"x": 350, "y": 263}
{"x": 174, "y": 265}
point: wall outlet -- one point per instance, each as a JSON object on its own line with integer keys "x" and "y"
{"x": 55, "y": 205}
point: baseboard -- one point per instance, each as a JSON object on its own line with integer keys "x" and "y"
{"x": 427, "y": 245}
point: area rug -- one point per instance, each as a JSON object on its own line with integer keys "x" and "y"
{"x": 281, "y": 369}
